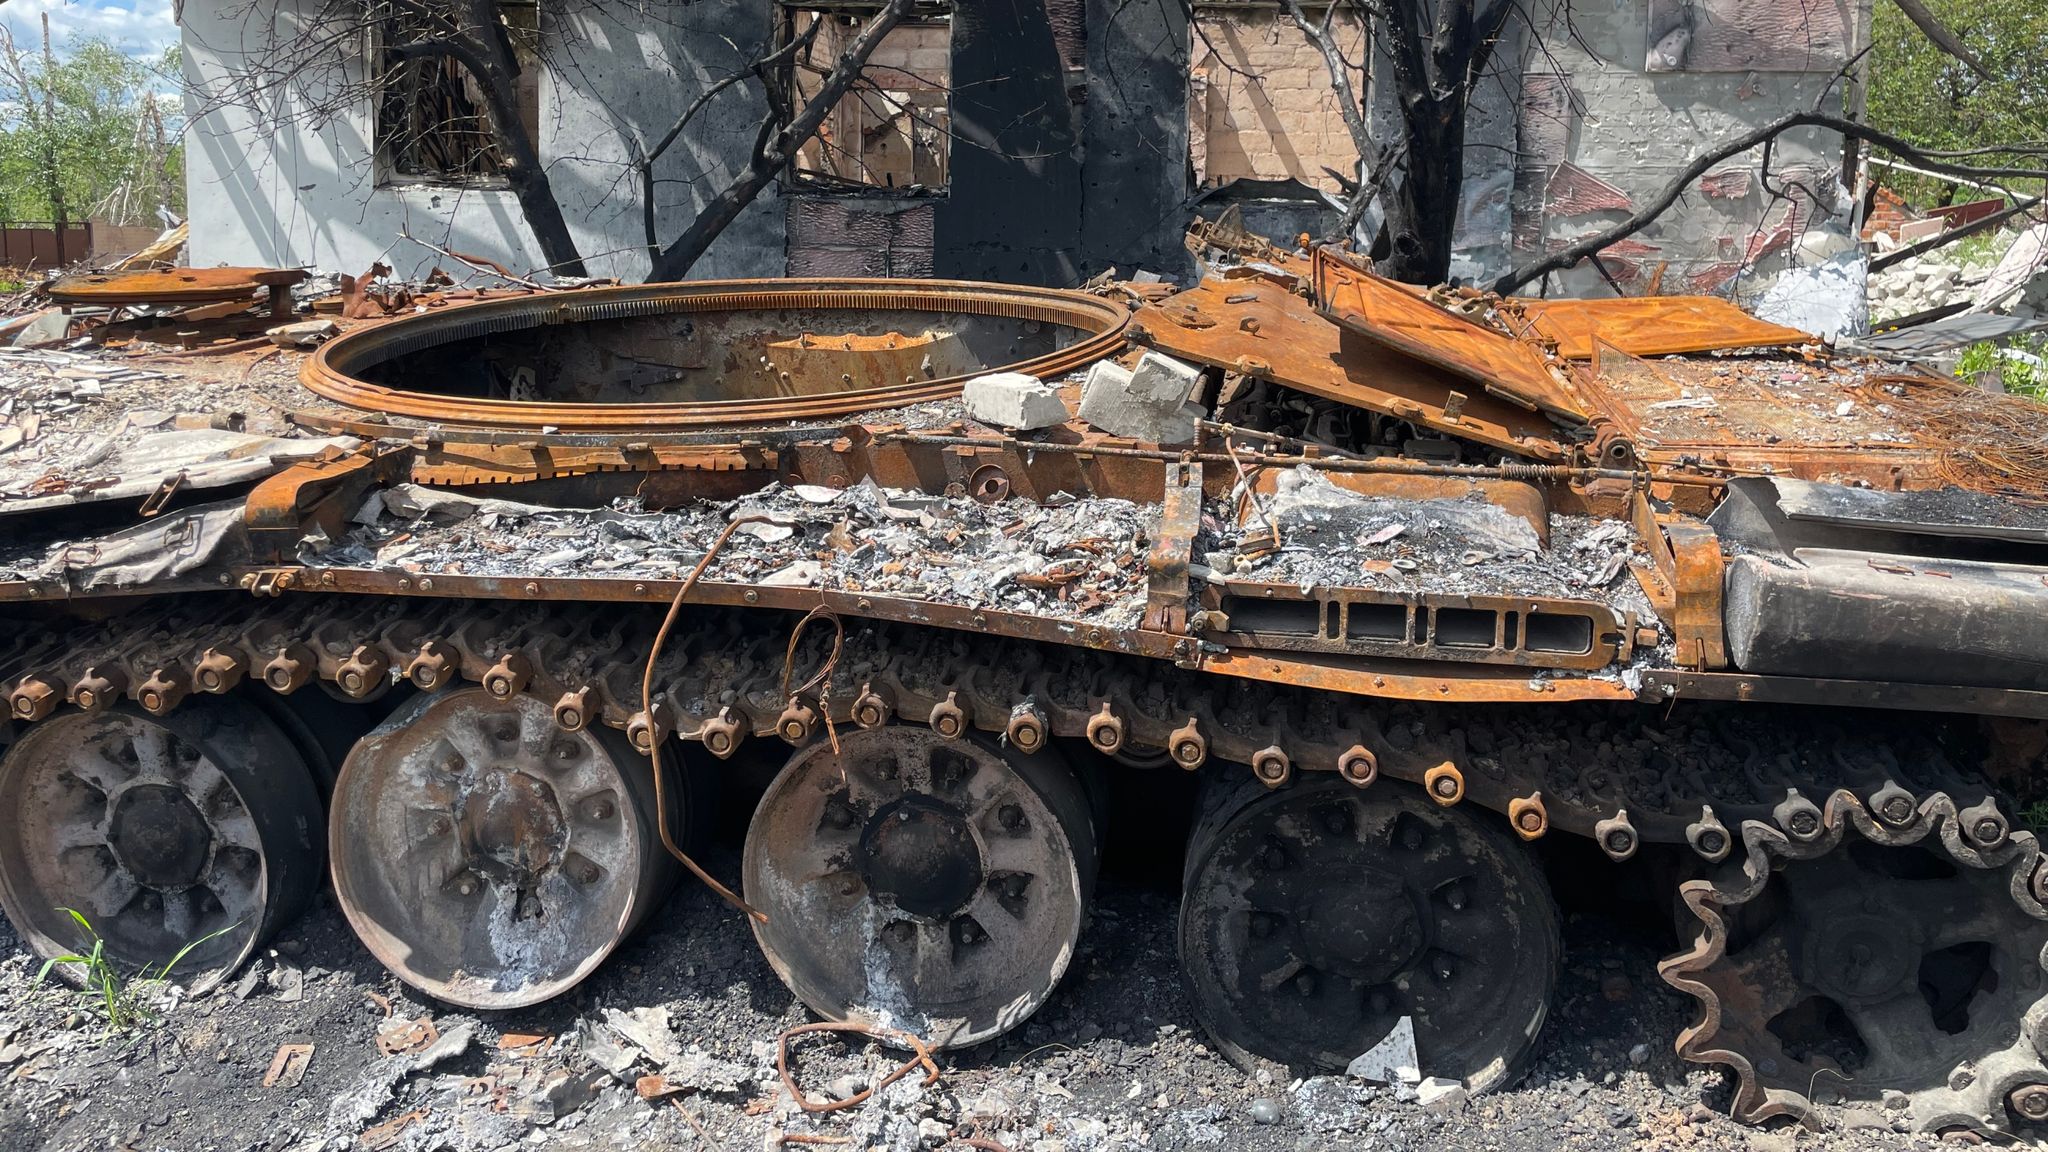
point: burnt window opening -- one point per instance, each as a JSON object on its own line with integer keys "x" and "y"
{"x": 893, "y": 131}
{"x": 432, "y": 124}
{"x": 1260, "y": 103}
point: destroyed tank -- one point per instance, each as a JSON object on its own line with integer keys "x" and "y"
{"x": 1418, "y": 584}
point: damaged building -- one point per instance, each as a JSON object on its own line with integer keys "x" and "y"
{"x": 1037, "y": 143}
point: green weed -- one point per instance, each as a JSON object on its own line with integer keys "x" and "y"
{"x": 124, "y": 1003}
{"x": 2020, "y": 367}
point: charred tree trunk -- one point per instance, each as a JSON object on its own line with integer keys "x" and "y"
{"x": 775, "y": 147}
{"x": 1422, "y": 209}
{"x": 490, "y": 58}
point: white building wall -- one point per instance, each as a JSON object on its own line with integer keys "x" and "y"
{"x": 274, "y": 186}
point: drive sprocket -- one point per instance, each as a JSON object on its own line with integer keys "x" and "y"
{"x": 1859, "y": 949}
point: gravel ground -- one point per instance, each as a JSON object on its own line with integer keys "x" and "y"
{"x": 1114, "y": 1061}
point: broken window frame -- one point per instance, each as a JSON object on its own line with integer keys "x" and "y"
{"x": 396, "y": 156}
{"x": 924, "y": 14}
{"x": 1363, "y": 76}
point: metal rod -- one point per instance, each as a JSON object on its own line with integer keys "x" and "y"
{"x": 1535, "y": 472}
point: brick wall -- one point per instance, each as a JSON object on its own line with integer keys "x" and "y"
{"x": 1260, "y": 102}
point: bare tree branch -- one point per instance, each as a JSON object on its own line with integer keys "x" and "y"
{"x": 1578, "y": 250}
{"x": 1931, "y": 26}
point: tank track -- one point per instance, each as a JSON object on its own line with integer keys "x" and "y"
{"x": 1771, "y": 1081}
{"x": 1727, "y": 781}
{"x": 1623, "y": 775}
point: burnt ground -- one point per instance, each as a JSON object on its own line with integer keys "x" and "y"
{"x": 1114, "y": 1061}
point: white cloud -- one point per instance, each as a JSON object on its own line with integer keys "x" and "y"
{"x": 142, "y": 28}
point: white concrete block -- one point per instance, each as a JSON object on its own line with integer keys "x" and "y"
{"x": 1149, "y": 403}
{"x": 1013, "y": 400}
{"x": 1164, "y": 379}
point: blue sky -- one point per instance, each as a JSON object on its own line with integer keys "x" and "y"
{"x": 137, "y": 27}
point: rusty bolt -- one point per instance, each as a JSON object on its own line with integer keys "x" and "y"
{"x": 1359, "y": 766}
{"x": 1026, "y": 730}
{"x": 532, "y": 588}
{"x": 1106, "y": 730}
{"x": 1962, "y": 1076}
{"x": 163, "y": 690}
{"x": 362, "y": 672}
{"x": 1305, "y": 983}
{"x": 426, "y": 583}
{"x": 2030, "y": 1101}
{"x": 33, "y": 699}
{"x": 1445, "y": 784}
{"x": 1271, "y": 766}
{"x": 646, "y": 729}
{"x": 466, "y": 885}
{"x": 440, "y": 826}
{"x": 289, "y": 670}
{"x": 838, "y": 815}
{"x": 601, "y": 809}
{"x": 721, "y": 734}
{"x": 1011, "y": 817}
{"x": 1984, "y": 824}
{"x": 1893, "y": 804}
{"x": 432, "y": 666}
{"x": 509, "y": 676}
{"x": 947, "y": 719}
{"x": 796, "y": 723}
{"x": 572, "y": 711}
{"x": 1527, "y": 815}
{"x": 98, "y": 690}
{"x": 901, "y": 931}
{"x": 2038, "y": 885}
{"x": 1616, "y": 836}
{"x": 584, "y": 870}
{"x": 219, "y": 671}
{"x": 1798, "y": 816}
{"x": 969, "y": 932}
{"x": 1708, "y": 836}
{"x": 871, "y": 709}
{"x": 1187, "y": 745}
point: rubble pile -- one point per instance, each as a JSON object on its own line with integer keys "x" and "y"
{"x": 1076, "y": 559}
{"x": 1334, "y": 538}
{"x": 58, "y": 410}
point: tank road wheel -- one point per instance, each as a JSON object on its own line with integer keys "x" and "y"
{"x": 921, "y": 883}
{"x": 160, "y": 831}
{"x": 1314, "y": 917}
{"x": 489, "y": 858}
{"x": 1846, "y": 967}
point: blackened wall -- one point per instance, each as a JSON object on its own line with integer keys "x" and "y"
{"x": 1013, "y": 209}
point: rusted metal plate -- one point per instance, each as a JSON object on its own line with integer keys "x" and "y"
{"x": 1180, "y": 518}
{"x": 170, "y": 285}
{"x": 1258, "y": 328}
{"x": 1653, "y": 326}
{"x": 1411, "y": 680}
{"x": 1395, "y": 317}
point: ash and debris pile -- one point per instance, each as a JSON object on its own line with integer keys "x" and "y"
{"x": 1331, "y": 537}
{"x": 1074, "y": 559}
{"x": 62, "y": 413}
